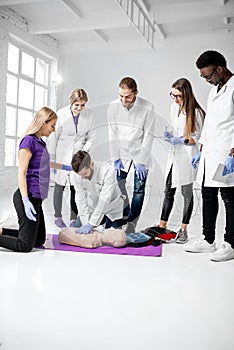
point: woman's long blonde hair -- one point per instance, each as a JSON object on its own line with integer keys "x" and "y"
{"x": 189, "y": 105}
{"x": 44, "y": 115}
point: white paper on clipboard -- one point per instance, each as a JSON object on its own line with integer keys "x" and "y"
{"x": 218, "y": 176}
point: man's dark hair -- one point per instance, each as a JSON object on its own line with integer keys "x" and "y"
{"x": 128, "y": 83}
{"x": 211, "y": 58}
{"x": 80, "y": 160}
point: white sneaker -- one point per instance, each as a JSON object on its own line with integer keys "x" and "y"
{"x": 200, "y": 246}
{"x": 224, "y": 253}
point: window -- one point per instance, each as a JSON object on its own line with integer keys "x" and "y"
{"x": 27, "y": 92}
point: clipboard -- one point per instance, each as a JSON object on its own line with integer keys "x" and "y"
{"x": 218, "y": 175}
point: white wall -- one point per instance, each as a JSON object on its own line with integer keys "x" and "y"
{"x": 99, "y": 73}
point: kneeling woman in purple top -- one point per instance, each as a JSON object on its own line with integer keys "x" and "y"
{"x": 33, "y": 181}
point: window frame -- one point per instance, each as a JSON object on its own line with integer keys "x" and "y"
{"x": 19, "y": 75}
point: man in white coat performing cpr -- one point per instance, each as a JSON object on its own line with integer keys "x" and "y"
{"x": 98, "y": 196}
{"x": 217, "y": 140}
{"x": 74, "y": 131}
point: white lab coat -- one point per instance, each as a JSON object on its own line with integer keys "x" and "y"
{"x": 65, "y": 141}
{"x": 218, "y": 134}
{"x": 99, "y": 196}
{"x": 180, "y": 156}
{"x": 131, "y": 131}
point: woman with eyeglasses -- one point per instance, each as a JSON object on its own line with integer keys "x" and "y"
{"x": 74, "y": 131}
{"x": 186, "y": 117}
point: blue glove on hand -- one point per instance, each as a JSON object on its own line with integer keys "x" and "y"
{"x": 141, "y": 171}
{"x": 29, "y": 209}
{"x": 175, "y": 140}
{"x": 228, "y": 165}
{"x": 66, "y": 167}
{"x": 167, "y": 134}
{"x": 196, "y": 160}
{"x": 85, "y": 229}
{"x": 118, "y": 166}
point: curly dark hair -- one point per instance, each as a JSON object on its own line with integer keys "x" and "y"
{"x": 211, "y": 58}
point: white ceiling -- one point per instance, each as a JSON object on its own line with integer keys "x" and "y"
{"x": 103, "y": 23}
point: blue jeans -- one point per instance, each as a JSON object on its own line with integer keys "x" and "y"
{"x": 132, "y": 213}
{"x": 108, "y": 223}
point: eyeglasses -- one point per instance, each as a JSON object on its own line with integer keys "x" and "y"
{"x": 208, "y": 77}
{"x": 178, "y": 97}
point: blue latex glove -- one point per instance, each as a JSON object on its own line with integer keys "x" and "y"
{"x": 228, "y": 165}
{"x": 29, "y": 209}
{"x": 85, "y": 229}
{"x": 167, "y": 134}
{"x": 141, "y": 171}
{"x": 66, "y": 167}
{"x": 175, "y": 140}
{"x": 196, "y": 160}
{"x": 118, "y": 166}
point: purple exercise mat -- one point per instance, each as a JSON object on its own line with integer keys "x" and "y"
{"x": 53, "y": 244}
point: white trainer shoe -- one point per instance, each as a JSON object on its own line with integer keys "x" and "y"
{"x": 200, "y": 246}
{"x": 224, "y": 253}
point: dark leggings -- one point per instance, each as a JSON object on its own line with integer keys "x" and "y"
{"x": 187, "y": 193}
{"x": 58, "y": 200}
{"x": 30, "y": 233}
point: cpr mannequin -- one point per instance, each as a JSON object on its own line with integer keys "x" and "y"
{"x": 111, "y": 236}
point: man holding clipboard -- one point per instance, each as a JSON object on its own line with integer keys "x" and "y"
{"x": 217, "y": 140}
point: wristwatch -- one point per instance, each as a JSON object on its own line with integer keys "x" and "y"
{"x": 186, "y": 141}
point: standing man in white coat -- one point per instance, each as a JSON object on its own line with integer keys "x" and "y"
{"x": 98, "y": 196}
{"x": 74, "y": 131}
{"x": 131, "y": 127}
{"x": 217, "y": 141}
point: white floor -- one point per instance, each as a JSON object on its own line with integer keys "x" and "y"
{"x": 65, "y": 300}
